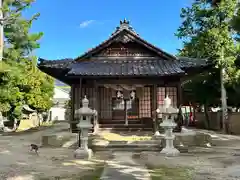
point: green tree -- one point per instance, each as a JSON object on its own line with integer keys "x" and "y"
{"x": 235, "y": 22}
{"x": 22, "y": 83}
{"x": 206, "y": 33}
{"x": 38, "y": 88}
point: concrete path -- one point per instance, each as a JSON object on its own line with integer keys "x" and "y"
{"x": 122, "y": 167}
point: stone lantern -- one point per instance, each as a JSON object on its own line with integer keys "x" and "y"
{"x": 95, "y": 121}
{"x": 168, "y": 114}
{"x": 84, "y": 114}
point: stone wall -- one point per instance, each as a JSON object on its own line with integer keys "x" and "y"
{"x": 234, "y": 124}
{"x": 215, "y": 121}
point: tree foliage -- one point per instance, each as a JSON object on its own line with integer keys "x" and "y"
{"x": 207, "y": 33}
{"x": 20, "y": 80}
{"x": 235, "y": 22}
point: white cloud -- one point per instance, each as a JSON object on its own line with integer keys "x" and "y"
{"x": 86, "y": 23}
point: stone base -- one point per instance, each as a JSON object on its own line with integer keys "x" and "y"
{"x": 83, "y": 153}
{"x": 157, "y": 133}
{"x": 56, "y": 139}
{"x": 170, "y": 151}
{"x": 187, "y": 138}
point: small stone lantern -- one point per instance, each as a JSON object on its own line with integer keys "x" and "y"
{"x": 85, "y": 114}
{"x": 168, "y": 113}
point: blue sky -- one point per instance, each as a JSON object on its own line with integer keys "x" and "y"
{"x": 70, "y": 29}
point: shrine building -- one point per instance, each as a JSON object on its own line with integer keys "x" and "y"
{"x": 125, "y": 78}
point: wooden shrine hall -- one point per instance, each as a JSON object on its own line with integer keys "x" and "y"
{"x": 125, "y": 79}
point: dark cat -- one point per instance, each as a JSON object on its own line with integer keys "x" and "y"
{"x": 35, "y": 148}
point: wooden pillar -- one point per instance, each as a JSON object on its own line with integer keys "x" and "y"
{"x": 165, "y": 89}
{"x": 73, "y": 124}
{"x": 154, "y": 106}
{"x": 96, "y": 96}
{"x": 179, "y": 119}
{"x": 80, "y": 93}
{"x": 96, "y": 105}
{"x": 79, "y": 102}
{"x": 179, "y": 94}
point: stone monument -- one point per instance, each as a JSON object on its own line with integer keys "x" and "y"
{"x": 168, "y": 114}
{"x": 84, "y": 114}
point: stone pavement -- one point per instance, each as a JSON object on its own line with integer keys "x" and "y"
{"x": 123, "y": 167}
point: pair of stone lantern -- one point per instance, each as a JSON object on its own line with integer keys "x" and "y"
{"x": 84, "y": 114}
{"x": 168, "y": 114}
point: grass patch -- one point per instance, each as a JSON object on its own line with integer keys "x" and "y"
{"x": 93, "y": 174}
{"x": 47, "y": 123}
{"x": 29, "y": 130}
{"x": 27, "y": 124}
{"x": 24, "y": 125}
{"x": 173, "y": 173}
{"x": 117, "y": 137}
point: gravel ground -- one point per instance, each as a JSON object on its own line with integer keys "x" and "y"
{"x": 216, "y": 163}
{"x": 18, "y": 163}
{"x": 221, "y": 162}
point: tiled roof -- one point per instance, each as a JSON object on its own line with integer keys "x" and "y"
{"x": 125, "y": 28}
{"x": 153, "y": 67}
{"x": 57, "y": 64}
{"x": 157, "y": 67}
{"x": 86, "y": 65}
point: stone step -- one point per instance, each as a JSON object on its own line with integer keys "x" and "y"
{"x": 221, "y": 142}
{"x": 134, "y": 147}
{"x": 130, "y": 145}
{"x": 127, "y": 147}
{"x": 182, "y": 141}
{"x": 122, "y": 144}
{"x": 102, "y": 142}
{"x": 132, "y": 121}
{"x": 130, "y": 149}
{"x": 122, "y": 125}
{"x": 125, "y": 129}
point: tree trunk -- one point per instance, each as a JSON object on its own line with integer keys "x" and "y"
{"x": 206, "y": 121}
{"x": 1, "y": 32}
{"x": 194, "y": 114}
{"x": 226, "y": 123}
